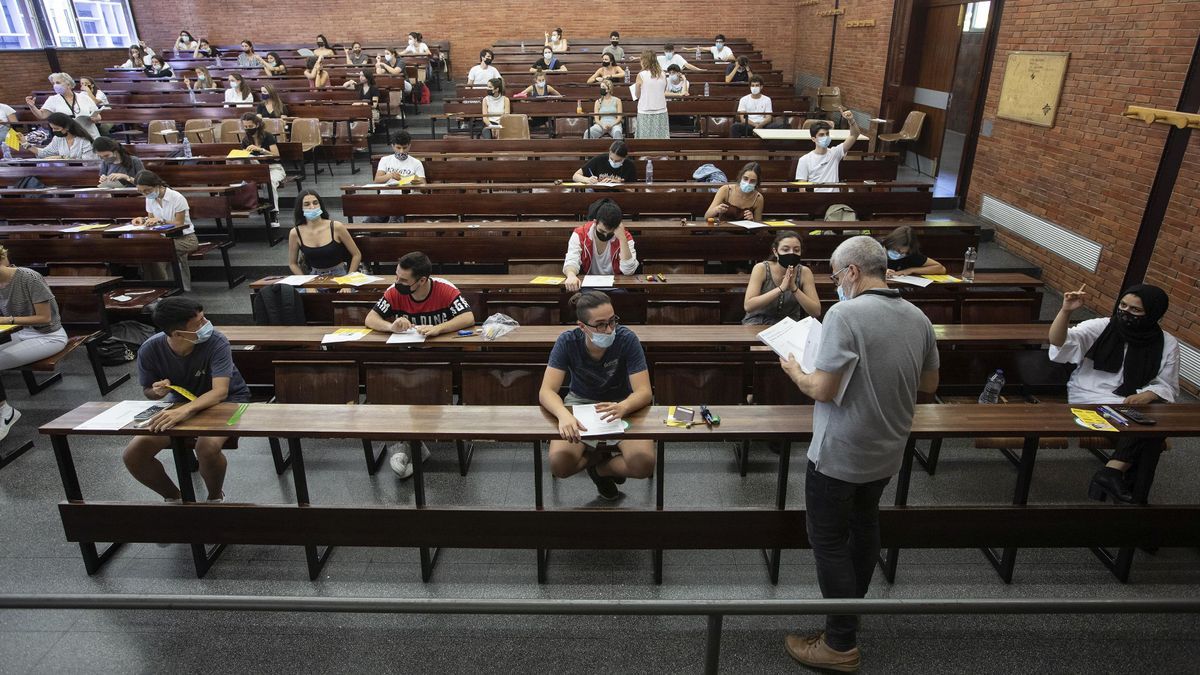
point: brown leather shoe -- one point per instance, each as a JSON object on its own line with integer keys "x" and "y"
{"x": 812, "y": 651}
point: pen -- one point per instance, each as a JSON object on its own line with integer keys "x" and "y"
{"x": 1110, "y": 418}
{"x": 1113, "y": 415}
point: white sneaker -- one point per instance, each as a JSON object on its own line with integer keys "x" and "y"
{"x": 169, "y": 500}
{"x": 8, "y": 421}
{"x": 218, "y": 500}
{"x": 400, "y": 461}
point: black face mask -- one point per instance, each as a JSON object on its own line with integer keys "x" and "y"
{"x": 604, "y": 236}
{"x": 402, "y": 289}
{"x": 616, "y": 42}
{"x": 59, "y": 134}
{"x": 487, "y": 61}
{"x": 252, "y": 130}
{"x": 1133, "y": 321}
{"x": 789, "y": 259}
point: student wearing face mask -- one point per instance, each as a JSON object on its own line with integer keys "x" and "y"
{"x": 271, "y": 106}
{"x": 1122, "y": 359}
{"x": 556, "y": 41}
{"x": 416, "y": 45}
{"x": 264, "y": 145}
{"x": 89, "y": 88}
{"x": 203, "y": 49}
{"x": 754, "y": 111}
{"x": 548, "y": 62}
{"x": 670, "y": 56}
{"x": 189, "y": 353}
{"x": 677, "y": 84}
{"x": 602, "y": 245}
{"x": 494, "y": 105}
{"x": 481, "y": 74}
{"x": 204, "y": 80}
{"x": 238, "y": 94}
{"x": 821, "y": 164}
{"x": 398, "y": 166}
{"x": 720, "y": 51}
{"x": 70, "y": 140}
{"x": 273, "y": 65}
{"x": 539, "y": 88}
{"x": 64, "y": 100}
{"x": 158, "y": 68}
{"x": 740, "y": 200}
{"x": 326, "y": 244}
{"x": 355, "y": 55}
{"x": 608, "y": 70}
{"x": 390, "y": 63}
{"x": 185, "y": 42}
{"x": 420, "y": 301}
{"x": 781, "y": 286}
{"x": 739, "y": 71}
{"x": 322, "y": 48}
{"x": 904, "y": 254}
{"x": 607, "y": 114}
{"x": 604, "y": 364}
{"x": 613, "y": 167}
{"x": 614, "y": 47}
{"x": 247, "y": 58}
{"x": 118, "y": 168}
{"x": 164, "y": 205}
{"x": 139, "y": 56}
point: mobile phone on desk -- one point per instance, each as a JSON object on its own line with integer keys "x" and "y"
{"x": 141, "y": 419}
{"x": 1134, "y": 415}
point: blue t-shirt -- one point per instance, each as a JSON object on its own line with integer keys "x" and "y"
{"x": 194, "y": 372}
{"x": 606, "y": 379}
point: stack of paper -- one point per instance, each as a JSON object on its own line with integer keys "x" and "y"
{"x": 909, "y": 279}
{"x": 345, "y": 335}
{"x": 598, "y": 281}
{"x": 942, "y": 278}
{"x": 748, "y": 224}
{"x": 128, "y": 228}
{"x": 356, "y": 279}
{"x": 800, "y": 339}
{"x": 780, "y": 223}
{"x": 116, "y": 417}
{"x": 595, "y": 425}
{"x": 410, "y": 336}
{"x": 85, "y": 228}
{"x": 297, "y": 279}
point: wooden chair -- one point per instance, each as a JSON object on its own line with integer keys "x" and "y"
{"x": 514, "y": 127}
{"x": 276, "y": 127}
{"x": 571, "y": 127}
{"x": 162, "y": 131}
{"x": 412, "y": 384}
{"x": 200, "y": 131}
{"x": 329, "y": 382}
{"x": 829, "y": 99}
{"x": 230, "y": 131}
{"x": 307, "y": 132}
{"x": 909, "y": 133}
{"x": 716, "y": 126}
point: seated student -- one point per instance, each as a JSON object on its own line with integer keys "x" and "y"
{"x": 65, "y": 100}
{"x": 781, "y": 286}
{"x": 271, "y": 106}
{"x": 720, "y": 51}
{"x": 238, "y": 94}
{"x": 326, "y": 244}
{"x": 493, "y": 106}
{"x": 416, "y": 45}
{"x": 614, "y": 47}
{"x": 398, "y": 166}
{"x": 548, "y": 62}
{"x": 203, "y": 49}
{"x": 191, "y": 354}
{"x": 539, "y": 88}
{"x": 607, "y": 367}
{"x": 322, "y": 49}
{"x": 556, "y": 41}
{"x": 608, "y": 70}
{"x": 318, "y": 77}
{"x": 139, "y": 57}
{"x": 607, "y": 114}
{"x": 615, "y": 167}
{"x": 388, "y": 62}
{"x": 71, "y": 140}
{"x": 480, "y": 75}
{"x": 677, "y": 84}
{"x": 118, "y": 168}
{"x": 904, "y": 254}
{"x": 185, "y": 42}
{"x": 754, "y": 111}
{"x": 821, "y": 164}
{"x": 263, "y": 144}
{"x": 158, "y": 68}
{"x": 1125, "y": 359}
{"x": 355, "y": 55}
{"x": 368, "y": 93}
{"x": 669, "y": 56}
{"x": 247, "y": 58}
{"x": 204, "y": 80}
{"x": 273, "y": 65}
{"x": 88, "y": 87}
{"x": 26, "y": 302}
{"x": 739, "y": 71}
{"x": 741, "y": 200}
{"x": 164, "y": 205}
{"x": 419, "y": 301}
{"x": 590, "y": 249}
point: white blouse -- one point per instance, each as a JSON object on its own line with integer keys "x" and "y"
{"x": 1089, "y": 386}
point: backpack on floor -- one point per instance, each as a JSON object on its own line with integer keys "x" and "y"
{"x": 421, "y": 93}
{"x": 278, "y": 305}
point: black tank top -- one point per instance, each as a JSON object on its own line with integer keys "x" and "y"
{"x": 323, "y": 257}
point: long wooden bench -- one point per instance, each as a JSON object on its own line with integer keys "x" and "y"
{"x": 728, "y": 148}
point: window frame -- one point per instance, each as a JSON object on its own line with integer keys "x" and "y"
{"x": 42, "y": 35}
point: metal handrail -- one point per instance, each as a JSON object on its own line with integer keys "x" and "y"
{"x": 715, "y": 610}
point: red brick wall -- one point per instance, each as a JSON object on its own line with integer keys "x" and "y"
{"x": 1092, "y": 171}
{"x": 860, "y": 54}
{"x": 1176, "y": 262}
{"x": 26, "y": 71}
{"x": 770, "y": 24}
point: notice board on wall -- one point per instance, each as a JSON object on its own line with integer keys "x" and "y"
{"x": 1032, "y": 87}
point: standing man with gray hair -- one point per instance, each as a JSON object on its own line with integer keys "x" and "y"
{"x": 877, "y": 351}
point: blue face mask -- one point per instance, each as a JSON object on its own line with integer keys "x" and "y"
{"x": 312, "y": 214}
{"x": 203, "y": 334}
{"x": 842, "y": 297}
{"x": 603, "y": 340}
{"x": 615, "y": 165}
{"x": 894, "y": 255}
{"x": 746, "y": 186}
{"x": 824, "y": 141}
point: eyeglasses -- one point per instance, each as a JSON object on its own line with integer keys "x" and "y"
{"x": 605, "y": 325}
{"x": 835, "y": 275}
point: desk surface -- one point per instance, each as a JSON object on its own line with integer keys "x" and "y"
{"x": 528, "y": 423}
{"x": 64, "y": 285}
{"x": 802, "y": 135}
{"x": 737, "y": 336}
{"x": 548, "y": 186}
{"x": 57, "y": 230}
{"x": 806, "y": 228}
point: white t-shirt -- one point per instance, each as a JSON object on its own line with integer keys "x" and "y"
{"x": 678, "y": 60}
{"x": 722, "y": 54}
{"x": 84, "y": 107}
{"x": 172, "y": 202}
{"x": 418, "y": 48}
{"x": 478, "y": 76}
{"x": 233, "y": 96}
{"x": 749, "y": 104}
{"x": 5, "y": 111}
{"x": 601, "y": 256}
{"x": 410, "y": 166}
{"x": 1089, "y": 386}
{"x": 816, "y": 168}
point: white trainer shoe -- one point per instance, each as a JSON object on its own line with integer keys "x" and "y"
{"x": 9, "y": 421}
{"x": 400, "y": 461}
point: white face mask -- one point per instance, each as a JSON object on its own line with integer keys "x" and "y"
{"x": 547, "y": 56}
{"x": 668, "y": 54}
{"x": 675, "y": 79}
{"x": 756, "y": 90}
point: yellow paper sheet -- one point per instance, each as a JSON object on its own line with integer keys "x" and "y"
{"x": 4, "y": 327}
{"x": 780, "y": 223}
{"x": 238, "y": 154}
{"x": 574, "y": 184}
{"x": 352, "y": 279}
{"x": 405, "y": 180}
{"x": 547, "y": 281}
{"x": 182, "y": 392}
{"x": 801, "y": 182}
{"x": 1090, "y": 419}
{"x": 13, "y": 139}
{"x": 942, "y": 278}
{"x": 352, "y": 331}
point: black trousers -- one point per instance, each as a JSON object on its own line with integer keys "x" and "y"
{"x": 740, "y": 130}
{"x": 1142, "y": 454}
{"x": 843, "y": 530}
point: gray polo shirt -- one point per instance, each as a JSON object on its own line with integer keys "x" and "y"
{"x": 881, "y": 344}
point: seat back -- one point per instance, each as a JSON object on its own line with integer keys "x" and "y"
{"x": 275, "y": 127}
{"x": 501, "y": 383}
{"x": 913, "y": 125}
{"x": 409, "y": 383}
{"x": 162, "y": 131}
{"x": 829, "y": 99}
{"x": 684, "y": 383}
{"x": 514, "y": 126}
{"x": 525, "y": 312}
{"x": 230, "y": 131}
{"x": 683, "y": 312}
{"x": 571, "y": 127}
{"x": 351, "y": 312}
{"x": 200, "y": 131}
{"x": 328, "y": 382}
{"x": 715, "y": 126}
{"x": 307, "y": 132}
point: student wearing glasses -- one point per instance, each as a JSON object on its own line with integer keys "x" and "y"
{"x": 607, "y": 367}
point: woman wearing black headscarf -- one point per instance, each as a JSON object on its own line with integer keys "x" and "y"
{"x": 1125, "y": 359}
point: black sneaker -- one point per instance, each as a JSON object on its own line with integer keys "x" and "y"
{"x": 606, "y": 486}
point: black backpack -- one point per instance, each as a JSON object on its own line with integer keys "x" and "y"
{"x": 278, "y": 305}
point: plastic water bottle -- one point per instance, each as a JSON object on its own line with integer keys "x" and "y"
{"x": 697, "y": 52}
{"x": 706, "y": 90}
{"x": 192, "y": 96}
{"x": 626, "y": 76}
{"x": 187, "y": 148}
{"x": 522, "y": 46}
{"x": 218, "y": 59}
{"x": 649, "y": 171}
{"x": 991, "y": 390}
{"x": 968, "y": 273}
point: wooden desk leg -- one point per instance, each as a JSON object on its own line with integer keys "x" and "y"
{"x": 92, "y": 559}
{"x": 543, "y": 555}
{"x": 785, "y": 464}
{"x": 1006, "y": 561}
{"x": 428, "y": 556}
{"x": 887, "y": 563}
{"x": 315, "y": 558}
{"x": 202, "y": 556}
{"x": 1121, "y": 563}
{"x": 350, "y": 141}
{"x": 660, "y": 463}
